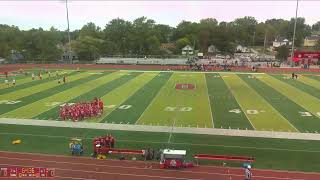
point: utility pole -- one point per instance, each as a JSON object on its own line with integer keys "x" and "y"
{"x": 70, "y": 56}
{"x": 294, "y": 32}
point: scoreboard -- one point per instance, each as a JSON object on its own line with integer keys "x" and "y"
{"x": 26, "y": 172}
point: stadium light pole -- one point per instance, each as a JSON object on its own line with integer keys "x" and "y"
{"x": 294, "y": 32}
{"x": 69, "y": 32}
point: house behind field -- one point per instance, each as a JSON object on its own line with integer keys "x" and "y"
{"x": 187, "y": 50}
{"x": 280, "y": 41}
{"x": 311, "y": 41}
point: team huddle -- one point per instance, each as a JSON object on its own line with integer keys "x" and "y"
{"x": 82, "y": 110}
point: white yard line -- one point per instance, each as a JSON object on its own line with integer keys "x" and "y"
{"x": 205, "y": 80}
{"x": 154, "y": 98}
{"x": 130, "y": 95}
{"x": 241, "y": 107}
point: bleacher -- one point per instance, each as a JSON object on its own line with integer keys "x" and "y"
{"x": 152, "y": 61}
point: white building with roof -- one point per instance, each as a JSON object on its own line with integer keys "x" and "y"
{"x": 187, "y": 50}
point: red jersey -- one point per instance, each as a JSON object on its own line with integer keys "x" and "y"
{"x": 101, "y": 105}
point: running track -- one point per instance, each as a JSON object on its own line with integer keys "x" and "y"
{"x": 16, "y": 67}
{"x": 82, "y": 168}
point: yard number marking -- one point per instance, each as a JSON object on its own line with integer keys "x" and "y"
{"x": 308, "y": 114}
{"x": 249, "y": 111}
{"x": 305, "y": 113}
{"x": 125, "y": 107}
{"x": 182, "y": 109}
{"x": 252, "y": 111}
{"x": 70, "y": 104}
{"x": 53, "y": 103}
{"x": 9, "y": 102}
{"x": 110, "y": 106}
{"x": 187, "y": 109}
{"x": 237, "y": 111}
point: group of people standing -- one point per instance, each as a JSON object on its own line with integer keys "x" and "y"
{"x": 49, "y": 75}
{"x": 6, "y": 81}
{"x": 82, "y": 110}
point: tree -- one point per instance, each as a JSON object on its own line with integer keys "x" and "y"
{"x": 87, "y": 48}
{"x": 142, "y": 33}
{"x": 278, "y": 27}
{"x": 153, "y": 45}
{"x": 245, "y": 29}
{"x": 282, "y": 53}
{"x": 316, "y": 26}
{"x": 186, "y": 29}
{"x": 163, "y": 32}
{"x": 117, "y": 37}
{"x": 144, "y": 36}
{"x": 206, "y": 30}
{"x": 90, "y": 29}
{"x": 224, "y": 38}
{"x": 181, "y": 43}
{"x": 40, "y": 45}
{"x": 302, "y": 30}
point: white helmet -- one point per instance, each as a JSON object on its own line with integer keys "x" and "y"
{"x": 249, "y": 166}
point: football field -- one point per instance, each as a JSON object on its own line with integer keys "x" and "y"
{"x": 227, "y": 100}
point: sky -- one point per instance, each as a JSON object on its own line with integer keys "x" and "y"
{"x": 35, "y": 14}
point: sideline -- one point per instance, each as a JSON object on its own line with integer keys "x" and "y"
{"x": 164, "y": 129}
{"x": 193, "y": 72}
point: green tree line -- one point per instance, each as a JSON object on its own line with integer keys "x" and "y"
{"x": 144, "y": 36}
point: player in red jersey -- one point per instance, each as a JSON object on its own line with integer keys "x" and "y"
{"x": 101, "y": 105}
{"x": 62, "y": 113}
{"x": 112, "y": 141}
{"x": 81, "y": 110}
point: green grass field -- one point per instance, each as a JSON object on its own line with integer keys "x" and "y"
{"x": 283, "y": 154}
{"x": 182, "y": 99}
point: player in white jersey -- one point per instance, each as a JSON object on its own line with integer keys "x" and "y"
{"x": 32, "y": 76}
{"x": 6, "y": 82}
{"x": 247, "y": 173}
{"x": 14, "y": 82}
